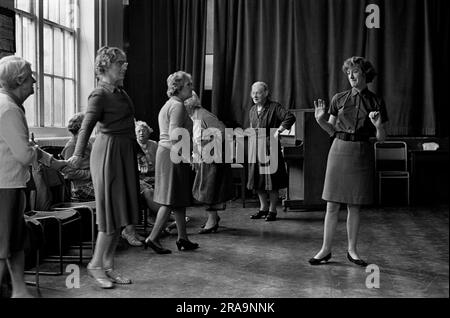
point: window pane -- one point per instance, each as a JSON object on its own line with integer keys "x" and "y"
{"x": 58, "y": 52}
{"x": 48, "y": 101}
{"x": 53, "y": 10}
{"x": 58, "y": 102}
{"x": 30, "y": 110}
{"x": 19, "y": 51}
{"x": 23, "y": 5}
{"x": 66, "y": 13}
{"x": 29, "y": 45}
{"x": 70, "y": 100}
{"x": 48, "y": 50}
{"x": 46, "y": 9}
{"x": 69, "y": 54}
{"x": 62, "y": 12}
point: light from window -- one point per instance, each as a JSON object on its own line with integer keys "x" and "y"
{"x": 58, "y": 57}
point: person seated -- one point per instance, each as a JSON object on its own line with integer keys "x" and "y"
{"x": 81, "y": 185}
{"x": 146, "y": 166}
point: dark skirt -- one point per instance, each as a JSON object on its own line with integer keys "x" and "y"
{"x": 212, "y": 183}
{"x": 12, "y": 224}
{"x": 350, "y": 173}
{"x": 172, "y": 181}
{"x": 267, "y": 181}
{"x": 115, "y": 178}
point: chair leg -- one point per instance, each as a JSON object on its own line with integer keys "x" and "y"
{"x": 407, "y": 181}
{"x": 37, "y": 270}
{"x": 81, "y": 242}
{"x": 243, "y": 188}
{"x": 379, "y": 191}
{"x": 61, "y": 269}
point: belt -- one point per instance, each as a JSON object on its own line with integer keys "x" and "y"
{"x": 350, "y": 137}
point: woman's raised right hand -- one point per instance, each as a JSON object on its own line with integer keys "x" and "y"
{"x": 319, "y": 109}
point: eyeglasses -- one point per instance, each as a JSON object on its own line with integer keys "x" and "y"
{"x": 121, "y": 63}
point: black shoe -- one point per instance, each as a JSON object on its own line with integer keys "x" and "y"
{"x": 318, "y": 261}
{"x": 210, "y": 230}
{"x": 259, "y": 214}
{"x": 186, "y": 245}
{"x": 359, "y": 262}
{"x": 156, "y": 248}
{"x": 272, "y": 216}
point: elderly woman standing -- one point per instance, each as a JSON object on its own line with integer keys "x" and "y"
{"x": 212, "y": 184}
{"x": 264, "y": 115}
{"x": 355, "y": 115}
{"x": 17, "y": 153}
{"x": 172, "y": 186}
{"x": 113, "y": 162}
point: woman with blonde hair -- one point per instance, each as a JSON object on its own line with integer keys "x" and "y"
{"x": 172, "y": 186}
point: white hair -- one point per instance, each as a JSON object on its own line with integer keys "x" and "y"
{"x": 262, "y": 84}
{"x": 14, "y": 71}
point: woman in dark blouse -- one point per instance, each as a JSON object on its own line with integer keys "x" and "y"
{"x": 355, "y": 115}
{"x": 267, "y": 114}
{"x": 113, "y": 162}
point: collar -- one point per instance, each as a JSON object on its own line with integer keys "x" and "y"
{"x": 266, "y": 103}
{"x": 355, "y": 92}
{"x": 108, "y": 86}
{"x": 13, "y": 97}
{"x": 177, "y": 99}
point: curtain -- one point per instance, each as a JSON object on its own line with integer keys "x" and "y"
{"x": 298, "y": 48}
{"x": 162, "y": 37}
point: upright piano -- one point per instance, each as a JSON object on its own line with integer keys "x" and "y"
{"x": 305, "y": 155}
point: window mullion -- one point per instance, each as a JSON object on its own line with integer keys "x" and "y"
{"x": 40, "y": 61}
{"x": 52, "y": 85}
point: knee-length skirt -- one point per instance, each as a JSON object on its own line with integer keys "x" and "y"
{"x": 115, "y": 178}
{"x": 212, "y": 183}
{"x": 172, "y": 180}
{"x": 350, "y": 173}
{"x": 12, "y": 224}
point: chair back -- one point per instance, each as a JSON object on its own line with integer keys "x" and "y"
{"x": 391, "y": 156}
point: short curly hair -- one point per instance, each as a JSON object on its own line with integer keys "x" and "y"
{"x": 365, "y": 66}
{"x": 74, "y": 124}
{"x": 107, "y": 56}
{"x": 176, "y": 82}
{"x": 144, "y": 125}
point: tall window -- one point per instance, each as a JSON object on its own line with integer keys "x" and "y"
{"x": 53, "y": 56}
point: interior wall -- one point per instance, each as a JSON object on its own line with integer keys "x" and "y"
{"x": 7, "y": 4}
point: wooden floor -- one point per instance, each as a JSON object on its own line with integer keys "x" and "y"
{"x": 258, "y": 259}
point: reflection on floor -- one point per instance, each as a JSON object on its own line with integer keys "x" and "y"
{"x": 254, "y": 258}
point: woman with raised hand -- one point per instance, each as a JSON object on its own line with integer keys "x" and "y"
{"x": 355, "y": 116}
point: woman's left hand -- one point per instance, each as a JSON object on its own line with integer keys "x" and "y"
{"x": 375, "y": 118}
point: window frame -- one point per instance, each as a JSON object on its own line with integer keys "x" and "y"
{"x": 36, "y": 15}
